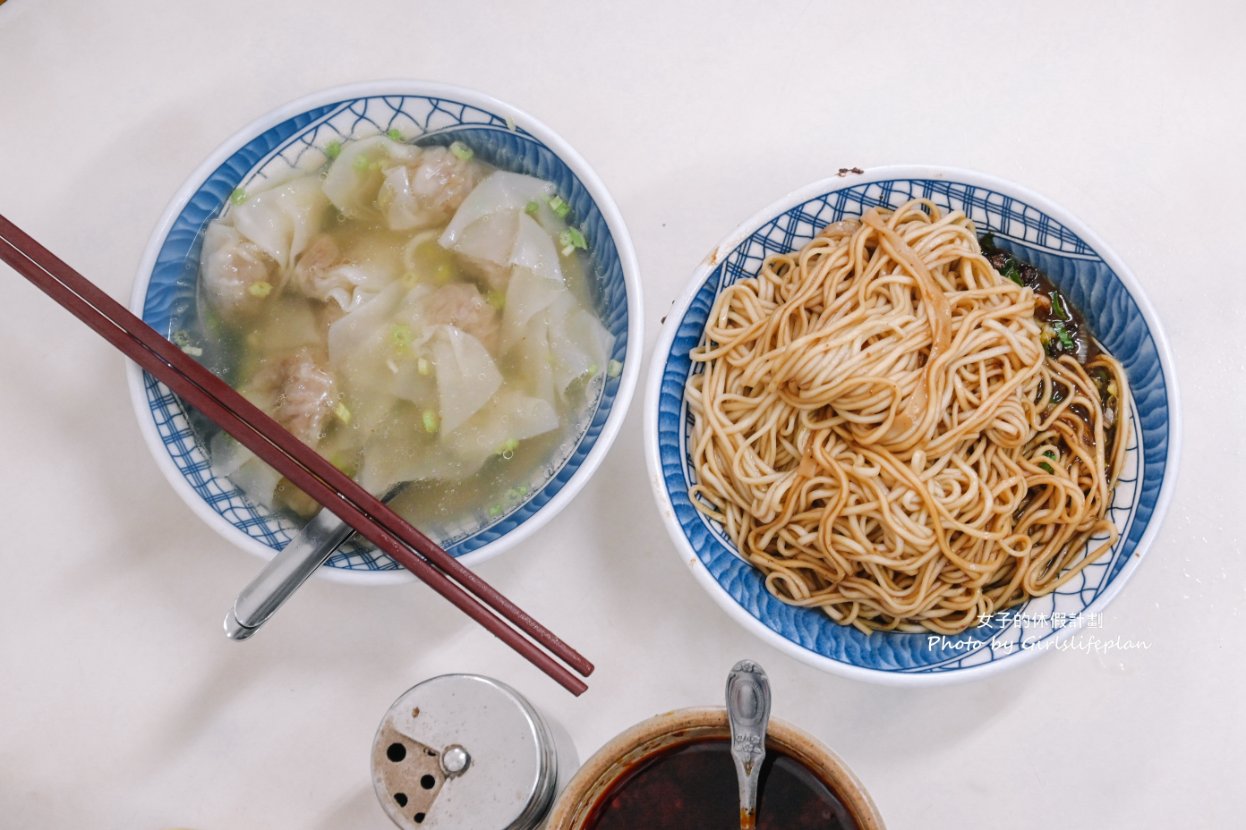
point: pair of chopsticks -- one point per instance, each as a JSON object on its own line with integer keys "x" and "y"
{"x": 296, "y": 461}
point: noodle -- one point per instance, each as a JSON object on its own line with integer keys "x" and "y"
{"x": 879, "y": 429}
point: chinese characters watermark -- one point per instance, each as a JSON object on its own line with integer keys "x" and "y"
{"x": 1059, "y": 619}
{"x": 1090, "y": 642}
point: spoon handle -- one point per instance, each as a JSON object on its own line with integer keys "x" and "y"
{"x": 281, "y": 577}
{"x": 284, "y": 573}
{"x": 748, "y": 712}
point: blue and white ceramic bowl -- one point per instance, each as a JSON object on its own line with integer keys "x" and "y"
{"x": 1080, "y": 265}
{"x": 294, "y": 136}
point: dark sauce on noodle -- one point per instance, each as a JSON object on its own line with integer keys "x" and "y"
{"x": 1065, "y": 330}
{"x": 1054, "y": 309}
{"x": 693, "y": 787}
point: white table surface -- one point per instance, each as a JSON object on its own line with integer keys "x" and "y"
{"x": 122, "y": 705}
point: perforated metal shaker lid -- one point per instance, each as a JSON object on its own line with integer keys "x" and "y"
{"x": 466, "y": 752}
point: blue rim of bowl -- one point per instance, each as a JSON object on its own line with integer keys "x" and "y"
{"x": 295, "y": 133}
{"x": 1053, "y": 235}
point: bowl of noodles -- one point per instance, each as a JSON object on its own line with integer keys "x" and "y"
{"x": 427, "y": 286}
{"x": 912, "y": 425}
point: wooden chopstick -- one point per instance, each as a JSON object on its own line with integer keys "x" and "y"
{"x": 271, "y": 442}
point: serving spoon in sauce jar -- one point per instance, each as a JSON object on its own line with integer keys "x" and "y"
{"x": 748, "y": 713}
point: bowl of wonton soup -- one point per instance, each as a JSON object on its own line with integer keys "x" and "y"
{"x": 426, "y": 285}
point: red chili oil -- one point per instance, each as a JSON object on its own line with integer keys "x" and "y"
{"x": 693, "y": 787}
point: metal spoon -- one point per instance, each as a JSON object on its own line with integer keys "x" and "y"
{"x": 748, "y": 712}
{"x": 285, "y": 572}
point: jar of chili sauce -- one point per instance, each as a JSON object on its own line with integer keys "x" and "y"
{"x": 675, "y": 771}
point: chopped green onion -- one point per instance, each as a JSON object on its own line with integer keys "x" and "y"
{"x": 1057, "y": 307}
{"x": 496, "y": 299}
{"x": 613, "y": 368}
{"x": 592, "y": 370}
{"x": 180, "y": 338}
{"x": 1066, "y": 339}
{"x": 1012, "y": 272}
{"x": 431, "y": 422}
{"x": 1043, "y": 465}
{"x": 1052, "y": 454}
{"x": 333, "y": 149}
{"x": 570, "y": 239}
{"x": 401, "y": 335}
{"x": 342, "y": 413}
{"x": 495, "y": 511}
{"x": 360, "y": 164}
{"x": 238, "y": 196}
{"x": 508, "y": 446}
{"x": 461, "y": 151}
{"x": 260, "y": 289}
{"x": 1056, "y": 338}
{"x": 424, "y": 367}
{"x": 559, "y": 206}
{"x": 393, "y": 134}
{"x": 531, "y": 208}
{"x": 518, "y": 492}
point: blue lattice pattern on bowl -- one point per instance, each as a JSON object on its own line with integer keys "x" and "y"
{"x": 1022, "y": 223}
{"x": 297, "y": 143}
